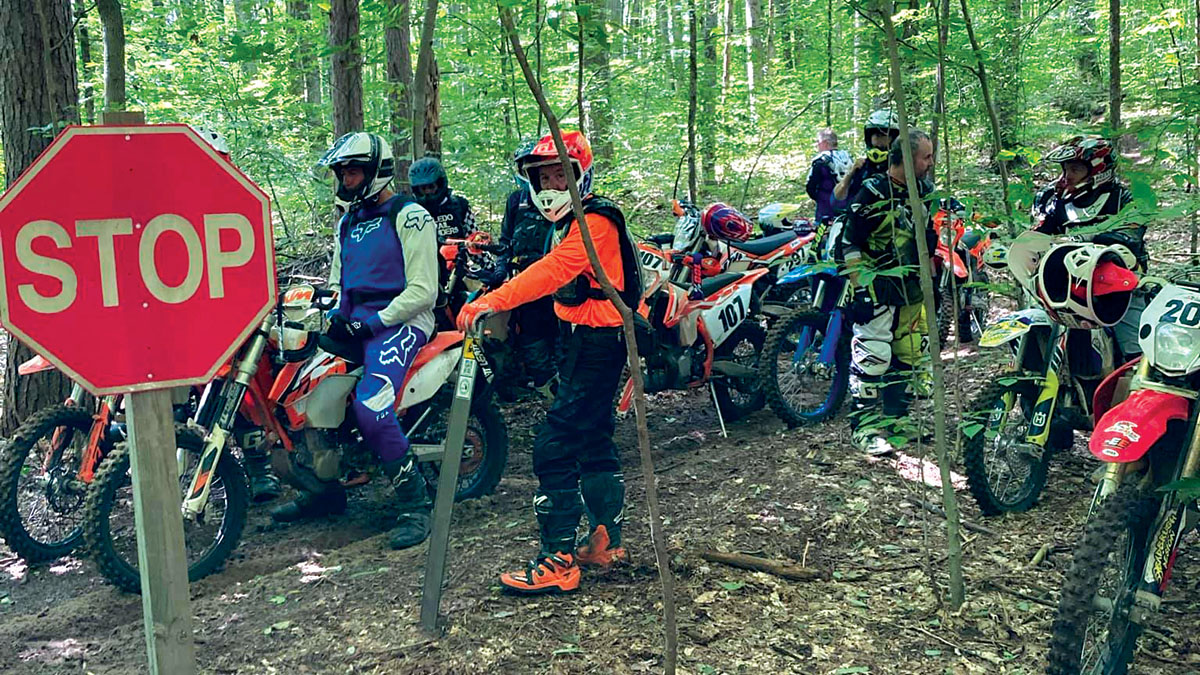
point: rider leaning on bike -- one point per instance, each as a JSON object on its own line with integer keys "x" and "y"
{"x": 385, "y": 267}
{"x": 574, "y": 454}
{"x": 1085, "y": 196}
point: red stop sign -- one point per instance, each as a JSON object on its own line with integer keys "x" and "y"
{"x": 134, "y": 258}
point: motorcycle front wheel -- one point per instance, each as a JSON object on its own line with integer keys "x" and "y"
{"x": 799, "y": 388}
{"x": 1005, "y": 473}
{"x": 110, "y": 532}
{"x": 1093, "y": 633}
{"x": 41, "y": 492}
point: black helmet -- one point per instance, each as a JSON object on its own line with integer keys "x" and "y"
{"x": 428, "y": 171}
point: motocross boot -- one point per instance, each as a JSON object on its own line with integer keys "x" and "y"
{"x": 604, "y": 502}
{"x": 555, "y": 570}
{"x": 331, "y": 500}
{"x": 264, "y": 484}
{"x": 412, "y": 496}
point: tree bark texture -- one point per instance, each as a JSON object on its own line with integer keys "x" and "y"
{"x": 708, "y": 96}
{"x": 755, "y": 62}
{"x": 345, "y": 67}
{"x": 596, "y": 63}
{"x": 433, "y": 106}
{"x": 114, "y": 53}
{"x": 86, "y": 91}
{"x": 40, "y": 91}
{"x": 422, "y": 79}
{"x": 398, "y": 42}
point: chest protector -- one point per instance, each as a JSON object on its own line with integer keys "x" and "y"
{"x": 580, "y": 290}
{"x": 372, "y": 256}
{"x": 530, "y": 232}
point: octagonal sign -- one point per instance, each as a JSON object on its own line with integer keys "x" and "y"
{"x": 135, "y": 258}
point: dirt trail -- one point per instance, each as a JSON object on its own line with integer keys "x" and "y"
{"x": 326, "y": 597}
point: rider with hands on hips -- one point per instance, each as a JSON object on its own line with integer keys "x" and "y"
{"x": 574, "y": 455}
{"x": 385, "y": 269}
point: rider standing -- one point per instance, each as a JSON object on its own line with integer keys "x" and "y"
{"x": 384, "y": 266}
{"x": 1084, "y": 197}
{"x": 574, "y": 454}
{"x": 880, "y": 131}
{"x": 889, "y": 320}
{"x": 526, "y": 234}
{"x": 825, "y": 172}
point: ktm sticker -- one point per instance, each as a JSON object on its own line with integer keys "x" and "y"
{"x": 1126, "y": 429}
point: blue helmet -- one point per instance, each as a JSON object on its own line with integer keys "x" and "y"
{"x": 428, "y": 171}
{"x": 523, "y": 150}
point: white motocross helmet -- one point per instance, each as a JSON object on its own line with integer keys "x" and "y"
{"x": 368, "y": 151}
{"x": 214, "y": 139}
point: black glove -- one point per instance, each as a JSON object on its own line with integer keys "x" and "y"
{"x": 862, "y": 306}
{"x": 341, "y": 330}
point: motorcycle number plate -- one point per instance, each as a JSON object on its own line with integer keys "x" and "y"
{"x": 727, "y": 314}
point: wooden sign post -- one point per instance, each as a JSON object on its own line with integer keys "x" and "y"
{"x": 443, "y": 510}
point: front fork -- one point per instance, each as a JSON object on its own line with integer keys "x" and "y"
{"x": 232, "y": 394}
{"x": 1043, "y": 409}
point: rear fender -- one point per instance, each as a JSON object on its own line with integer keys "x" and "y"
{"x": 1125, "y": 433}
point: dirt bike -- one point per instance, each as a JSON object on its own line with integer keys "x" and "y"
{"x": 1146, "y": 501}
{"x": 804, "y": 369}
{"x": 703, "y": 323}
{"x": 787, "y": 242}
{"x": 296, "y": 385}
{"x": 471, "y": 266}
{"x": 1024, "y": 415}
{"x": 959, "y": 274}
{"x": 48, "y": 464}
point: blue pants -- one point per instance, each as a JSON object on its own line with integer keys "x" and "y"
{"x": 386, "y": 359}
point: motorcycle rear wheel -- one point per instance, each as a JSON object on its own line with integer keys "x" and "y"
{"x": 1005, "y": 474}
{"x": 485, "y": 447}
{"x": 739, "y": 397}
{"x": 1092, "y": 632}
{"x": 110, "y": 533}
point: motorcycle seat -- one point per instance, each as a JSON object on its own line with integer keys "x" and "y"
{"x": 351, "y": 351}
{"x": 713, "y": 284}
{"x": 970, "y": 238}
{"x": 764, "y": 245}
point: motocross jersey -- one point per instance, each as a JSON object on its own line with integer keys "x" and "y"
{"x": 880, "y": 232}
{"x": 385, "y": 265}
{"x": 825, "y": 172}
{"x": 566, "y": 266}
{"x": 1055, "y": 215}
{"x": 453, "y": 218}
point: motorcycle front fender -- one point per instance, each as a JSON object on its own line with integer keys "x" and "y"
{"x": 35, "y": 365}
{"x": 1126, "y": 432}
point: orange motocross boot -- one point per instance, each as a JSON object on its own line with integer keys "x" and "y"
{"x": 604, "y": 499}
{"x": 555, "y": 569}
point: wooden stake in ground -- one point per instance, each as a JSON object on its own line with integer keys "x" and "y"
{"x": 920, "y": 219}
{"x": 635, "y": 368}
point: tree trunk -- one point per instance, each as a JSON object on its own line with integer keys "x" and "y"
{"x": 771, "y": 21}
{"x": 423, "y": 79}
{"x": 663, "y": 19}
{"x": 594, "y": 21}
{"x": 433, "y": 107}
{"x": 939, "y": 97}
{"x": 828, "y": 63}
{"x": 856, "y": 90}
{"x": 114, "y": 53}
{"x": 345, "y": 67}
{"x": 727, "y": 56}
{"x": 40, "y": 90}
{"x": 86, "y": 91}
{"x": 755, "y": 68}
{"x": 398, "y": 41}
{"x": 1008, "y": 75}
{"x": 708, "y": 96}
{"x": 949, "y": 500}
{"x": 693, "y": 102}
{"x": 1114, "y": 66}
{"x": 1196, "y": 144}
{"x": 306, "y": 82}
{"x": 981, "y": 73}
{"x": 1086, "y": 59}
